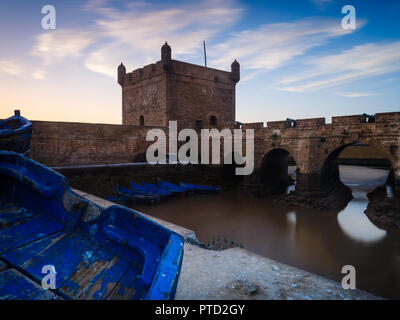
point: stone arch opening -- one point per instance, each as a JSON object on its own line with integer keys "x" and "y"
{"x": 278, "y": 171}
{"x": 228, "y": 171}
{"x": 213, "y": 120}
{"x": 362, "y": 172}
{"x": 357, "y": 155}
{"x": 141, "y": 121}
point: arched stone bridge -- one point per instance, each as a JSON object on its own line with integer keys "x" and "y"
{"x": 316, "y": 145}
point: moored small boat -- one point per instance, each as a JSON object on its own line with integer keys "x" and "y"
{"x": 97, "y": 252}
{"x": 200, "y": 188}
{"x": 15, "y": 134}
{"x": 174, "y": 187}
{"x": 148, "y": 191}
{"x": 172, "y": 191}
{"x": 139, "y": 198}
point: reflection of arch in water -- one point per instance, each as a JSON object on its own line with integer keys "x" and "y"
{"x": 352, "y": 220}
{"x": 356, "y": 225}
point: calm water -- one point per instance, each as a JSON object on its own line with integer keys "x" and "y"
{"x": 317, "y": 241}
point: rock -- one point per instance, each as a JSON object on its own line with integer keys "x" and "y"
{"x": 336, "y": 198}
{"x": 245, "y": 287}
{"x": 382, "y": 210}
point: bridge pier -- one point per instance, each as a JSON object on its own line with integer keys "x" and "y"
{"x": 312, "y": 191}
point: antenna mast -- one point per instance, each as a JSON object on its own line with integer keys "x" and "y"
{"x": 205, "y": 54}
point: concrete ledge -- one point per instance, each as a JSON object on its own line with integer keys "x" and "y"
{"x": 185, "y": 233}
{"x": 237, "y": 274}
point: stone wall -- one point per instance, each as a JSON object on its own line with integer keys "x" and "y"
{"x": 360, "y": 152}
{"x": 187, "y": 93}
{"x": 196, "y": 93}
{"x": 144, "y": 95}
{"x": 311, "y": 141}
{"x": 69, "y": 143}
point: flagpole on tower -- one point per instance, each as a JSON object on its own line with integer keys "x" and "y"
{"x": 205, "y": 54}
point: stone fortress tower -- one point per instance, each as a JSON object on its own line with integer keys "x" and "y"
{"x": 193, "y": 95}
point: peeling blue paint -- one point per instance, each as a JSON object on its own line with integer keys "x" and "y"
{"x": 118, "y": 254}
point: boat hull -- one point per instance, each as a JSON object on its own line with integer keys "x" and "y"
{"x": 97, "y": 252}
{"x": 15, "y": 135}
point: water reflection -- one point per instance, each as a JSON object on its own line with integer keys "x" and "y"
{"x": 291, "y": 219}
{"x": 352, "y": 219}
{"x": 314, "y": 240}
{"x": 356, "y": 225}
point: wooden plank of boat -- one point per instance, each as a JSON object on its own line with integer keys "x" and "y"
{"x": 128, "y": 286}
{"x": 3, "y": 266}
{"x": 116, "y": 253}
{"x": 65, "y": 254}
{"x": 10, "y": 213}
{"x": 18, "y": 257}
{"x": 33, "y": 229}
{"x": 90, "y": 274}
{"x": 22, "y": 287}
{"x": 96, "y": 276}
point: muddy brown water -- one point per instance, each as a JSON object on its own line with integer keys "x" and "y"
{"x": 321, "y": 242}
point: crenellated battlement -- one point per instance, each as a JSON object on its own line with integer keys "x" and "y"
{"x": 178, "y": 68}
{"x": 142, "y": 74}
{"x": 195, "y": 96}
{"x": 339, "y": 121}
{"x": 393, "y": 117}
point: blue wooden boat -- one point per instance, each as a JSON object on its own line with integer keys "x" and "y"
{"x": 157, "y": 188}
{"x": 171, "y": 186}
{"x": 120, "y": 200}
{"x": 148, "y": 191}
{"x": 97, "y": 253}
{"x": 135, "y": 197}
{"x": 174, "y": 191}
{"x": 15, "y": 134}
{"x": 200, "y": 189}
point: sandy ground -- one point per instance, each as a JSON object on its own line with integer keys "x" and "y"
{"x": 239, "y": 274}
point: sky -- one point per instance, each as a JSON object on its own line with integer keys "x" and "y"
{"x": 297, "y": 61}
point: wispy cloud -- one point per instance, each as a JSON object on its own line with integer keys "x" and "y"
{"x": 359, "y": 62}
{"x": 55, "y": 46}
{"x": 11, "y": 67}
{"x": 133, "y": 31}
{"x": 138, "y": 31}
{"x": 38, "y": 75}
{"x": 16, "y": 68}
{"x": 270, "y": 46}
{"x": 356, "y": 94}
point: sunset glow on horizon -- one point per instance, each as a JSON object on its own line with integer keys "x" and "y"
{"x": 296, "y": 59}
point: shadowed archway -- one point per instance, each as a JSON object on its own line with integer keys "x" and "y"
{"x": 274, "y": 173}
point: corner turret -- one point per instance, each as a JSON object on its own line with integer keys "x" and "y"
{"x": 121, "y": 74}
{"x": 235, "y": 71}
{"x": 166, "y": 55}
